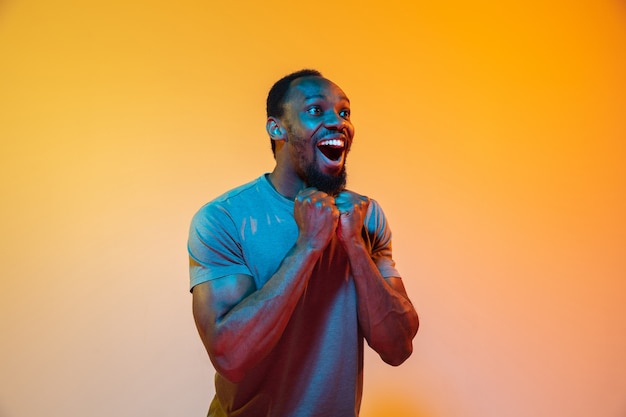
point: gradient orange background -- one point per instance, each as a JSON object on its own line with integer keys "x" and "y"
{"x": 493, "y": 134}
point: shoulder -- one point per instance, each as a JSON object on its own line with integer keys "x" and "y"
{"x": 376, "y": 224}
{"x": 237, "y": 193}
{"x": 231, "y": 200}
{"x": 375, "y": 213}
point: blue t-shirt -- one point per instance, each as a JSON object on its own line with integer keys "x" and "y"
{"x": 315, "y": 370}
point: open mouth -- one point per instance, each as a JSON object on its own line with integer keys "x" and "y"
{"x": 332, "y": 148}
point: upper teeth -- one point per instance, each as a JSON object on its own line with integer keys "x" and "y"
{"x": 331, "y": 142}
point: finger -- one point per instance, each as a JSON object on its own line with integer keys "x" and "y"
{"x": 302, "y": 194}
{"x": 309, "y": 195}
{"x": 343, "y": 196}
{"x": 344, "y": 205}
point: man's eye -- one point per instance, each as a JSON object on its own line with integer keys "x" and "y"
{"x": 315, "y": 110}
{"x": 345, "y": 114}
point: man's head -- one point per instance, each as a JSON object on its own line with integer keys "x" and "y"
{"x": 278, "y": 95}
{"x": 309, "y": 124}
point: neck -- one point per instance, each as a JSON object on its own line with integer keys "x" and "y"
{"x": 287, "y": 185}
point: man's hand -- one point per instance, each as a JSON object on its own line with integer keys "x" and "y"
{"x": 316, "y": 216}
{"x": 352, "y": 210}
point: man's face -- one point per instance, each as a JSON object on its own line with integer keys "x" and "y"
{"x": 319, "y": 132}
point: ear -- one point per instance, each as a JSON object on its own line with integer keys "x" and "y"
{"x": 275, "y": 129}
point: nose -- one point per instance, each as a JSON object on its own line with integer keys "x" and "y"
{"x": 335, "y": 121}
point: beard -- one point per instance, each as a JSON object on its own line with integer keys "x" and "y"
{"x": 330, "y": 184}
{"x": 309, "y": 171}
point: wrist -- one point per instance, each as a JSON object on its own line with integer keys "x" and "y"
{"x": 305, "y": 248}
{"x": 354, "y": 245}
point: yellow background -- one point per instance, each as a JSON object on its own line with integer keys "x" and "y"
{"x": 493, "y": 134}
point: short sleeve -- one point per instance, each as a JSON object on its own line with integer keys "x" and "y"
{"x": 213, "y": 246}
{"x": 378, "y": 237}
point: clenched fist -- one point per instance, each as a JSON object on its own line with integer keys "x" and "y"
{"x": 317, "y": 216}
{"x": 352, "y": 210}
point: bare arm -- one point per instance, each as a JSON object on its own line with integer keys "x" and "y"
{"x": 239, "y": 324}
{"x": 387, "y": 318}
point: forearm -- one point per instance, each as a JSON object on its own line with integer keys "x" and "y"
{"x": 250, "y": 330}
{"x": 387, "y": 318}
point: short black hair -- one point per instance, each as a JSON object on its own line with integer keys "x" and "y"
{"x": 278, "y": 93}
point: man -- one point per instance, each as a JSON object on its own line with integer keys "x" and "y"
{"x": 290, "y": 272}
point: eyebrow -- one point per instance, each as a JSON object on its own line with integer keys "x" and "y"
{"x": 314, "y": 96}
